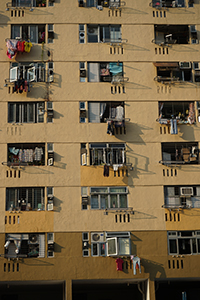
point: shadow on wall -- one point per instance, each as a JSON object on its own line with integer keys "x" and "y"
{"x": 57, "y": 161}
{"x": 132, "y": 47}
{"x": 155, "y": 269}
{"x": 129, "y": 10}
{"x": 57, "y": 204}
{"x": 187, "y": 132}
{"x": 36, "y": 170}
{"x": 141, "y": 215}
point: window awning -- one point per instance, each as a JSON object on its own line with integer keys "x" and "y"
{"x": 166, "y": 64}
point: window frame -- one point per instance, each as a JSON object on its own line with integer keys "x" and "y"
{"x": 108, "y": 194}
{"x": 179, "y": 235}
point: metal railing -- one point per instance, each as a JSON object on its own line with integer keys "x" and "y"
{"x": 115, "y": 42}
{"x": 167, "y": 79}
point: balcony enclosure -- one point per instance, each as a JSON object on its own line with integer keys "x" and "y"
{"x": 180, "y": 153}
{"x": 28, "y": 3}
{"x": 173, "y": 72}
{"x": 25, "y": 199}
{"x": 102, "y": 153}
{"x": 183, "y": 112}
{"x": 171, "y": 34}
{"x": 182, "y": 196}
{"x": 168, "y": 3}
{"x": 28, "y": 154}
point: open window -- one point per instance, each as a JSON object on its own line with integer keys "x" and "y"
{"x": 182, "y": 111}
{"x": 27, "y": 154}
{"x": 118, "y": 244}
{"x": 171, "y": 34}
{"x": 180, "y": 153}
{"x": 31, "y": 74}
{"x": 168, "y": 3}
{"x": 24, "y": 245}
{"x": 105, "y": 71}
{"x": 103, "y": 153}
{"x": 13, "y": 74}
{"x": 101, "y": 112}
{"x": 173, "y": 71}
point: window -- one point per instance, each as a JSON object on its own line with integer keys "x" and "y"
{"x": 50, "y": 242}
{"x": 118, "y": 243}
{"x": 83, "y": 72}
{"x": 24, "y": 245}
{"x": 34, "y": 33}
{"x": 25, "y": 199}
{"x": 81, "y": 33}
{"x": 168, "y": 3}
{"x": 182, "y": 196}
{"x": 84, "y": 197}
{"x": 174, "y": 71}
{"x": 180, "y": 153}
{"x": 171, "y": 34}
{"x": 50, "y": 112}
{"x": 50, "y": 150}
{"x": 105, "y": 72}
{"x": 29, "y": 3}
{"x": 85, "y": 244}
{"x": 101, "y": 112}
{"x": 26, "y": 112}
{"x": 107, "y": 154}
{"x": 98, "y": 245}
{"x": 104, "y": 33}
{"x": 108, "y": 197}
{"x": 184, "y": 242}
{"x": 28, "y": 71}
{"x": 50, "y": 33}
{"x": 183, "y": 112}
{"x": 26, "y": 154}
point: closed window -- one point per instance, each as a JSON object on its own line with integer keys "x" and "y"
{"x": 108, "y": 197}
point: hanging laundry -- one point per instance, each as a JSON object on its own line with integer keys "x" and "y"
{"x": 173, "y": 124}
{"x": 27, "y": 46}
{"x": 13, "y": 150}
{"x": 20, "y": 46}
{"x": 119, "y": 263}
{"x": 106, "y": 171}
{"x": 115, "y": 167}
{"x": 136, "y": 264}
{"x": 110, "y": 129}
{"x": 38, "y": 153}
{"x": 119, "y": 113}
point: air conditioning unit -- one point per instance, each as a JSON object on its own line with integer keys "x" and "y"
{"x": 51, "y": 246}
{"x": 186, "y": 191}
{"x": 33, "y": 239}
{"x": 196, "y": 65}
{"x": 93, "y": 31}
{"x": 81, "y": 3}
{"x": 97, "y": 237}
{"x": 185, "y": 65}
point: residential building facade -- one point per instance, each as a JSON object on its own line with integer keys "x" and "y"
{"x": 99, "y": 144}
